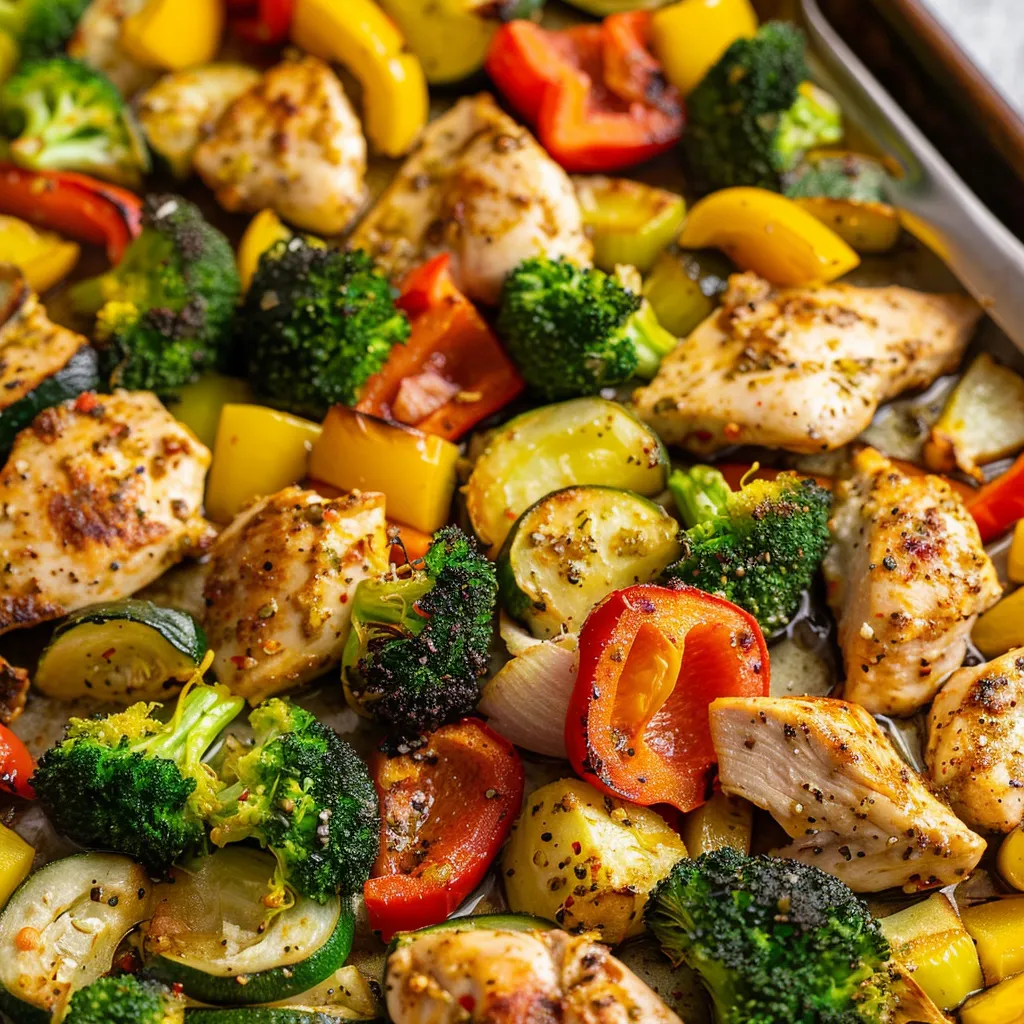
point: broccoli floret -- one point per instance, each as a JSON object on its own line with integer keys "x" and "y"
{"x": 754, "y": 114}
{"x": 852, "y": 177}
{"x": 40, "y": 27}
{"x": 132, "y": 784}
{"x": 317, "y": 323}
{"x": 305, "y": 795}
{"x": 575, "y": 330}
{"x": 758, "y": 547}
{"x": 773, "y": 940}
{"x": 164, "y": 313}
{"x": 61, "y": 115}
{"x": 125, "y": 1000}
{"x": 420, "y": 643}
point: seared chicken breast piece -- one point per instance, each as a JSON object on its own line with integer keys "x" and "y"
{"x": 907, "y": 577}
{"x": 292, "y": 143}
{"x": 97, "y": 42}
{"x": 279, "y": 584}
{"x": 508, "y": 977}
{"x": 99, "y": 496}
{"x": 828, "y": 775}
{"x": 975, "y": 752}
{"x": 480, "y": 187}
{"x": 801, "y": 368}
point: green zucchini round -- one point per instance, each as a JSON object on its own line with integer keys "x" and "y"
{"x": 272, "y": 1015}
{"x": 574, "y": 547}
{"x": 122, "y": 652}
{"x": 477, "y": 922}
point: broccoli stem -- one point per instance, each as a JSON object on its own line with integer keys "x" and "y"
{"x": 701, "y": 494}
{"x": 651, "y": 341}
{"x": 813, "y": 120}
{"x": 201, "y": 714}
{"x": 392, "y": 602}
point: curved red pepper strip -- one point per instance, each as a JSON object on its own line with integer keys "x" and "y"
{"x": 16, "y": 767}
{"x": 269, "y": 26}
{"x": 445, "y": 810}
{"x": 1000, "y": 503}
{"x": 650, "y": 744}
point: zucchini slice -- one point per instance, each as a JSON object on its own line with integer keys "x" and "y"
{"x": 274, "y": 1015}
{"x": 210, "y": 933}
{"x": 75, "y": 911}
{"x": 572, "y": 548}
{"x": 477, "y": 922}
{"x": 122, "y": 652}
{"x": 582, "y": 441}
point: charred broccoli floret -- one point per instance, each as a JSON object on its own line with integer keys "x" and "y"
{"x": 758, "y": 547}
{"x": 304, "y": 794}
{"x": 419, "y": 643}
{"x": 854, "y": 177}
{"x": 164, "y": 312}
{"x": 61, "y": 115}
{"x": 754, "y": 114}
{"x": 125, "y": 1000}
{"x": 41, "y": 28}
{"x": 317, "y": 323}
{"x": 574, "y": 330}
{"x": 133, "y": 784}
{"x": 773, "y": 940}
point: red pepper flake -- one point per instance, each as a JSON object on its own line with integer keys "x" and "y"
{"x": 577, "y": 848}
{"x": 177, "y": 988}
{"x": 331, "y": 515}
{"x": 86, "y": 402}
{"x": 467, "y": 1002}
{"x": 109, "y": 653}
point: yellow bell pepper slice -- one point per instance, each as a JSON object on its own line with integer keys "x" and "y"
{"x": 998, "y": 931}
{"x": 690, "y": 36}
{"x": 1001, "y": 628}
{"x": 15, "y": 862}
{"x": 198, "y": 405}
{"x": 930, "y": 938}
{"x": 174, "y": 34}
{"x": 358, "y": 34}
{"x": 1010, "y": 859}
{"x": 43, "y": 257}
{"x": 1003, "y": 1004}
{"x": 768, "y": 234}
{"x": 416, "y": 471}
{"x": 263, "y": 231}
{"x": 722, "y": 821}
{"x": 1015, "y": 564}
{"x": 258, "y": 451}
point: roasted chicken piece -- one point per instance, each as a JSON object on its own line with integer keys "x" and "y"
{"x": 801, "y": 368}
{"x": 97, "y": 42}
{"x": 99, "y": 496}
{"x": 480, "y": 187}
{"x": 14, "y": 683}
{"x": 292, "y": 143}
{"x": 515, "y": 977}
{"x": 907, "y": 578}
{"x": 279, "y": 584}
{"x": 828, "y": 775}
{"x": 975, "y": 752}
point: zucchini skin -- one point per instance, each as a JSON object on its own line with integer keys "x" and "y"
{"x": 477, "y": 922}
{"x": 80, "y": 373}
{"x": 264, "y": 1015}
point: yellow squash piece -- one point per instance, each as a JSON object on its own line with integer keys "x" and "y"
{"x": 1003, "y": 1004}
{"x": 1001, "y": 628}
{"x": 1010, "y": 860}
{"x": 174, "y": 34}
{"x": 416, "y": 471}
{"x": 722, "y": 821}
{"x": 1015, "y": 562}
{"x": 263, "y": 231}
{"x": 8, "y": 54}
{"x": 768, "y": 234}
{"x": 930, "y": 938}
{"x": 15, "y": 862}
{"x": 359, "y": 35}
{"x": 258, "y": 451}
{"x": 43, "y": 257}
{"x": 689, "y": 37}
{"x": 998, "y": 931}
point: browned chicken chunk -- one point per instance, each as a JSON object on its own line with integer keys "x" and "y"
{"x": 828, "y": 775}
{"x": 515, "y": 977}
{"x": 801, "y": 368}
{"x": 975, "y": 752}
{"x": 14, "y": 684}
{"x": 99, "y": 496}
{"x": 907, "y": 578}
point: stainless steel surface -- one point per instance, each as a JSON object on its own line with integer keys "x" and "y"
{"x": 935, "y": 203}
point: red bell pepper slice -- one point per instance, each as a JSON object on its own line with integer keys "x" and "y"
{"x": 450, "y": 340}
{"x": 73, "y": 204}
{"x": 595, "y": 93}
{"x": 1000, "y": 503}
{"x": 267, "y": 25}
{"x": 651, "y": 661}
{"x": 16, "y": 767}
{"x": 446, "y": 809}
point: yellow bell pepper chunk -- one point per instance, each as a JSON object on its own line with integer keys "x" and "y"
{"x": 689, "y": 37}
{"x": 358, "y": 34}
{"x": 174, "y": 34}
{"x": 416, "y": 471}
{"x": 930, "y": 939}
{"x": 15, "y": 862}
{"x": 1015, "y": 564}
{"x": 1003, "y": 1004}
{"x": 723, "y": 821}
{"x": 263, "y": 231}
{"x": 258, "y": 451}
{"x": 1001, "y": 628}
{"x": 768, "y": 234}
{"x": 1010, "y": 859}
{"x": 998, "y": 931}
{"x": 43, "y": 257}
{"x": 198, "y": 405}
